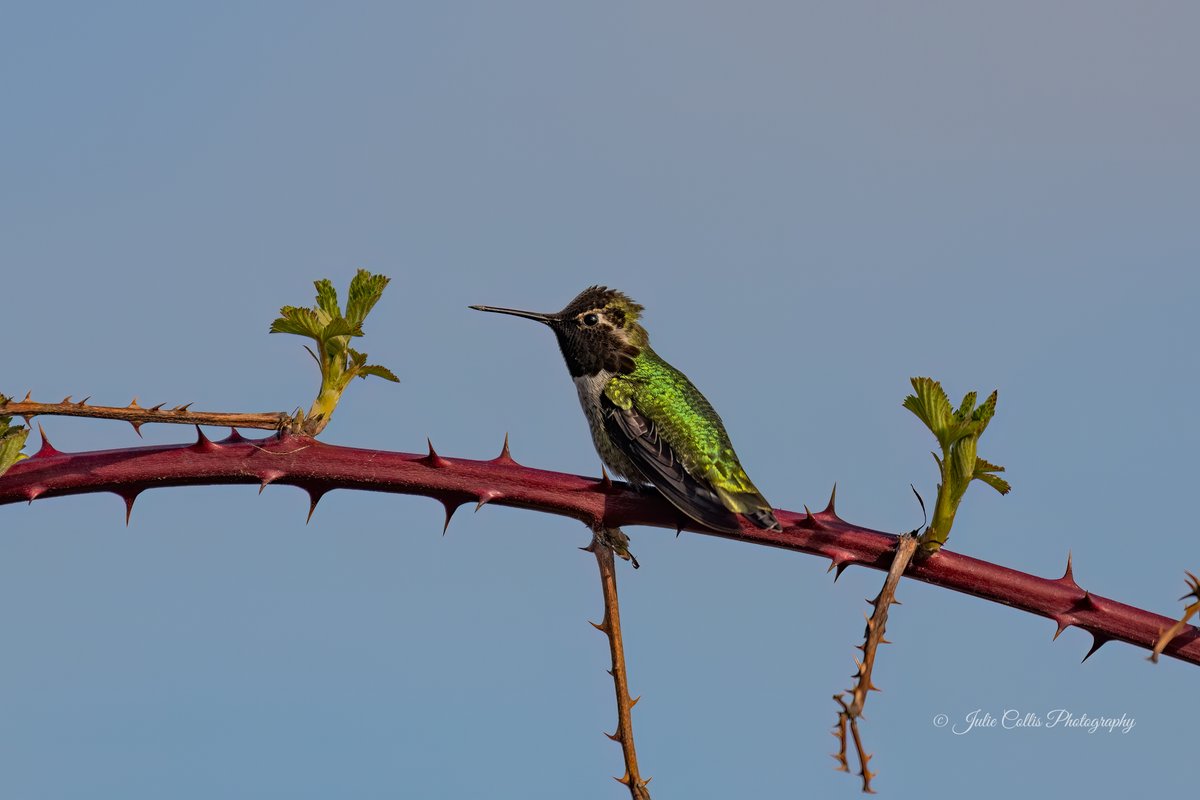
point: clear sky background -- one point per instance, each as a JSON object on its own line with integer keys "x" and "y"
{"x": 814, "y": 202}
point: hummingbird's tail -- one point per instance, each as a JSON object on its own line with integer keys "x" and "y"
{"x": 753, "y": 506}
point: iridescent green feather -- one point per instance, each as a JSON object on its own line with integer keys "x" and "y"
{"x": 688, "y": 424}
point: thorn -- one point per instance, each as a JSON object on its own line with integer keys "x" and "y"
{"x": 505, "y": 456}
{"x": 133, "y": 404}
{"x": 28, "y": 395}
{"x": 885, "y": 641}
{"x": 157, "y": 407}
{"x": 314, "y": 497}
{"x": 679, "y": 522}
{"x": 829, "y": 509}
{"x": 129, "y": 497}
{"x": 602, "y": 628}
{"x": 1098, "y": 641}
{"x": 203, "y": 443}
{"x": 270, "y": 477}
{"x": 606, "y": 484}
{"x": 66, "y": 400}
{"x": 33, "y": 493}
{"x": 83, "y": 402}
{"x": 234, "y": 437}
{"x": 634, "y": 701}
{"x": 450, "y": 507}
{"x": 1087, "y": 602}
{"x": 137, "y": 428}
{"x": 839, "y": 561}
{"x": 46, "y": 449}
{"x": 623, "y": 779}
{"x": 487, "y": 497}
{"x": 181, "y": 409}
{"x": 433, "y": 459}
{"x": 1068, "y": 577}
{"x": 616, "y": 737}
{"x": 1063, "y": 621}
{"x": 811, "y": 520}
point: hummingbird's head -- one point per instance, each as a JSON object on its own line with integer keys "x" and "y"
{"x": 597, "y": 332}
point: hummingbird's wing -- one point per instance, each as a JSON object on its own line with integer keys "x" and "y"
{"x": 636, "y": 435}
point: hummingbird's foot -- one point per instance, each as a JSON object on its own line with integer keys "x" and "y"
{"x": 616, "y": 540}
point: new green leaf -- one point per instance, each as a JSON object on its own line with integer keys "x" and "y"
{"x": 957, "y": 432}
{"x": 332, "y": 330}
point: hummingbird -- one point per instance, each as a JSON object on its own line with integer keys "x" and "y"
{"x": 649, "y": 424}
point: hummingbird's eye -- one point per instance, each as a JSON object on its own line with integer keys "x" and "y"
{"x": 590, "y": 320}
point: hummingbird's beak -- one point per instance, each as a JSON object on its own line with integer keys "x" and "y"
{"x": 546, "y": 318}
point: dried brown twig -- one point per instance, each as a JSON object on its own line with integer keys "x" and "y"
{"x": 1180, "y": 626}
{"x": 851, "y": 711}
{"x": 604, "y": 542}
{"x": 137, "y": 416}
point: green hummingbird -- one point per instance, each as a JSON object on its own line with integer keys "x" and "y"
{"x": 649, "y": 423}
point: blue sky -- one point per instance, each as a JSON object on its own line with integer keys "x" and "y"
{"x": 814, "y": 202}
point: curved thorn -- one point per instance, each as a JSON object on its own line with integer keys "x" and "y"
{"x": 234, "y": 437}
{"x": 1068, "y": 576}
{"x": 83, "y": 402}
{"x": 137, "y": 428}
{"x": 505, "y": 456}
{"x": 268, "y": 477}
{"x": 829, "y": 509}
{"x": 314, "y": 497}
{"x": 812, "y": 521}
{"x": 433, "y": 459}
{"x": 606, "y": 484}
{"x": 46, "y": 449}
{"x": 203, "y": 443}
{"x": 66, "y": 400}
{"x": 28, "y": 395}
{"x": 450, "y": 507}
{"x": 157, "y": 407}
{"x": 616, "y": 737}
{"x": 1087, "y": 602}
{"x": 1063, "y": 622}
{"x": 129, "y": 497}
{"x": 487, "y": 497}
{"x": 1098, "y": 641}
{"x": 634, "y": 701}
{"x": 600, "y": 627}
{"x": 33, "y": 493}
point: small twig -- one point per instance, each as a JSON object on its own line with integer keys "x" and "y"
{"x": 136, "y": 416}
{"x": 1180, "y": 626}
{"x": 873, "y": 637}
{"x": 602, "y": 546}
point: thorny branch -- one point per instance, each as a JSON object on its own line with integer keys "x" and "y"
{"x": 603, "y": 547}
{"x": 873, "y": 637}
{"x": 137, "y": 416}
{"x": 297, "y": 460}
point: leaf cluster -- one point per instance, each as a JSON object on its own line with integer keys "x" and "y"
{"x": 12, "y": 440}
{"x": 332, "y": 329}
{"x": 957, "y": 431}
